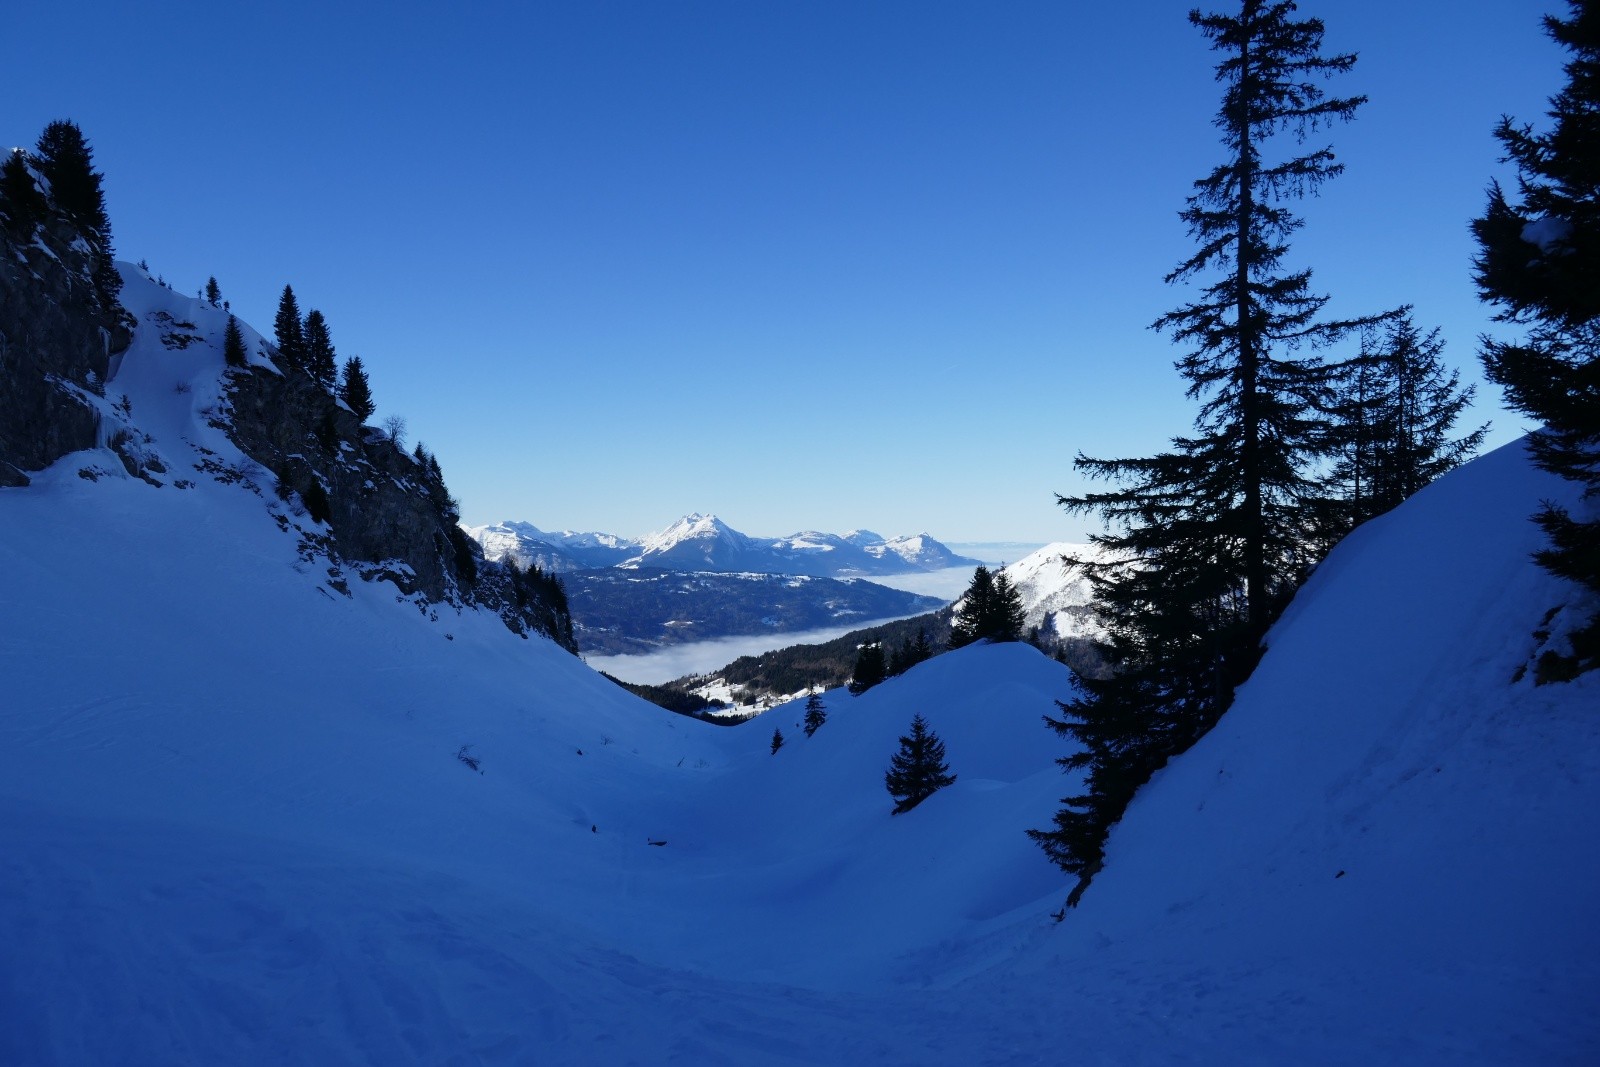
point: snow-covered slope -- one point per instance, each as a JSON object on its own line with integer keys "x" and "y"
{"x": 236, "y": 825}
{"x": 1387, "y": 844}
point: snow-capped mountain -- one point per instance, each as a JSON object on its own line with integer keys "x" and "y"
{"x": 699, "y": 542}
{"x": 556, "y": 552}
{"x": 1055, "y": 595}
{"x": 920, "y": 551}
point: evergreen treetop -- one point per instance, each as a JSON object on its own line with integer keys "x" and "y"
{"x": 816, "y": 714}
{"x": 1395, "y": 405}
{"x": 355, "y": 389}
{"x": 320, "y": 360}
{"x": 66, "y": 162}
{"x": 233, "y": 349}
{"x": 289, "y": 329}
{"x": 973, "y": 617}
{"x": 870, "y": 669}
{"x": 22, "y": 205}
{"x": 991, "y": 609}
{"x": 918, "y": 769}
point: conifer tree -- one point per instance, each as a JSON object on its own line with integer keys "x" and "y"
{"x": 1210, "y": 538}
{"x": 991, "y": 610}
{"x": 355, "y": 390}
{"x": 213, "y": 292}
{"x": 919, "y": 769}
{"x": 21, "y": 203}
{"x": 290, "y": 329}
{"x": 233, "y": 350}
{"x": 1539, "y": 261}
{"x": 977, "y": 609}
{"x": 320, "y": 361}
{"x": 777, "y": 741}
{"x": 1396, "y": 404}
{"x": 67, "y": 163}
{"x": 1008, "y": 617}
{"x": 870, "y": 669}
{"x": 816, "y": 714}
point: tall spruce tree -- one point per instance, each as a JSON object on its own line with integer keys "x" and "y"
{"x": 1539, "y": 261}
{"x": 320, "y": 360}
{"x": 976, "y": 611}
{"x": 1007, "y": 616}
{"x": 289, "y": 329}
{"x": 66, "y": 161}
{"x": 1210, "y": 538}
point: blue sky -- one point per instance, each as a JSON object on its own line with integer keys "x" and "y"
{"x": 804, "y": 265}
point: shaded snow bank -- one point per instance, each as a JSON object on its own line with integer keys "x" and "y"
{"x": 1385, "y": 821}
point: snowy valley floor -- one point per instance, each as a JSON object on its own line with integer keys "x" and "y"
{"x": 234, "y": 827}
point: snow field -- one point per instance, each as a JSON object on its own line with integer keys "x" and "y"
{"x": 234, "y": 827}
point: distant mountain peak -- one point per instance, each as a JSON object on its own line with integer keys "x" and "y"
{"x": 700, "y": 541}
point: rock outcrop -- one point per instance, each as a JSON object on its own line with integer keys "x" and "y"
{"x": 56, "y": 347}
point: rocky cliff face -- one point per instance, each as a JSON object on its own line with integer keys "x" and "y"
{"x": 389, "y": 511}
{"x": 61, "y": 336}
{"x": 56, "y": 348}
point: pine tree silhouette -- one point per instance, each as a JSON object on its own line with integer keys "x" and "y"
{"x": 918, "y": 770}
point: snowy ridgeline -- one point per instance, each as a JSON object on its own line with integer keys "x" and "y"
{"x": 706, "y": 543}
{"x": 236, "y": 824}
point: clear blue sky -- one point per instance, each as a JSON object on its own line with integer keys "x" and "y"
{"x": 803, "y": 264}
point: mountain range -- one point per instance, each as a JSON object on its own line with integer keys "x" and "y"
{"x": 705, "y": 543}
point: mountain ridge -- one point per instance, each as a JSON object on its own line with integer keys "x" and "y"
{"x": 703, "y": 542}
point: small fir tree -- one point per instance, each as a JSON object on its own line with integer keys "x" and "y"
{"x": 355, "y": 390}
{"x": 918, "y": 770}
{"x": 213, "y": 292}
{"x": 777, "y": 741}
{"x": 816, "y": 714}
{"x": 233, "y": 350}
